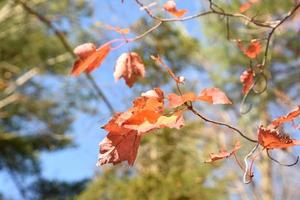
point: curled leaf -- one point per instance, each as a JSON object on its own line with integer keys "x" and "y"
{"x": 129, "y": 66}
{"x": 247, "y": 79}
{"x": 223, "y": 153}
{"x": 89, "y": 57}
{"x": 289, "y": 117}
{"x": 274, "y": 138}
{"x": 170, "y": 6}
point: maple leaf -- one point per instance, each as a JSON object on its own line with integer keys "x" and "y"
{"x": 129, "y": 66}
{"x": 247, "y": 79}
{"x": 89, "y": 57}
{"x": 126, "y": 129}
{"x": 271, "y": 138}
{"x": 289, "y": 117}
{"x": 252, "y": 50}
{"x": 223, "y": 153}
{"x": 115, "y": 148}
{"x": 170, "y": 6}
{"x": 214, "y": 96}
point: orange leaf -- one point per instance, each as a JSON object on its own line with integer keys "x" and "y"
{"x": 245, "y": 6}
{"x": 271, "y": 138}
{"x": 252, "y": 50}
{"x": 289, "y": 117}
{"x": 170, "y": 6}
{"x": 89, "y": 58}
{"x": 173, "y": 121}
{"x": 247, "y": 79}
{"x": 214, "y": 96}
{"x": 223, "y": 153}
{"x": 129, "y": 66}
{"x": 175, "y": 100}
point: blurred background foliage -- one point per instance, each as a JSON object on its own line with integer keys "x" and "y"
{"x": 38, "y": 102}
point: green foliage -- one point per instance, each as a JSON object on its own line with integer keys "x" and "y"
{"x": 56, "y": 190}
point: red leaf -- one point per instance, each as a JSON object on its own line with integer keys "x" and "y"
{"x": 170, "y": 6}
{"x": 214, "y": 96}
{"x": 129, "y": 66}
{"x": 116, "y": 148}
{"x": 89, "y": 58}
{"x": 223, "y": 153}
{"x": 289, "y": 117}
{"x": 253, "y": 49}
{"x": 247, "y": 79}
{"x": 271, "y": 138}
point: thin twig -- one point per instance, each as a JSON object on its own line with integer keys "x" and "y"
{"x": 222, "y": 124}
{"x": 289, "y": 14}
{"x": 287, "y": 165}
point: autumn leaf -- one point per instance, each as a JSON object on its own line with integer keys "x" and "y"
{"x": 176, "y": 100}
{"x": 252, "y": 50}
{"x": 155, "y": 93}
{"x": 210, "y": 95}
{"x": 89, "y": 57}
{"x": 223, "y": 153}
{"x": 247, "y": 79}
{"x": 126, "y": 129}
{"x": 129, "y": 66}
{"x": 173, "y": 121}
{"x": 214, "y": 96}
{"x": 274, "y": 138}
{"x": 287, "y": 118}
{"x": 247, "y": 5}
{"x": 115, "y": 148}
{"x": 170, "y": 6}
